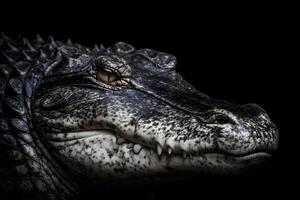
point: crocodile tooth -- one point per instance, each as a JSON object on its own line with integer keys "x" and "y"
{"x": 169, "y": 151}
{"x": 184, "y": 155}
{"x": 159, "y": 150}
{"x": 137, "y": 148}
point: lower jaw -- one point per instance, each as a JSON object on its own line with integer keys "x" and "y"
{"x": 207, "y": 163}
{"x": 178, "y": 169}
{"x": 215, "y": 163}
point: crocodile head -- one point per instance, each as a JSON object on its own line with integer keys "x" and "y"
{"x": 73, "y": 117}
{"x": 121, "y": 113}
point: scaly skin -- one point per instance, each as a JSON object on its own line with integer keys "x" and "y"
{"x": 74, "y": 118}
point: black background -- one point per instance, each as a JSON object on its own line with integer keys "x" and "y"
{"x": 241, "y": 54}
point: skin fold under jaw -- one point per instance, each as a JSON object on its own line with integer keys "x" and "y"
{"x": 109, "y": 114}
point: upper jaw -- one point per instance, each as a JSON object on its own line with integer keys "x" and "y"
{"x": 231, "y": 141}
{"x": 190, "y": 148}
{"x": 170, "y": 147}
{"x": 234, "y": 139}
{"x": 155, "y": 160}
{"x": 207, "y": 161}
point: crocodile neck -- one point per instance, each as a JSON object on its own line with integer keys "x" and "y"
{"x": 27, "y": 167}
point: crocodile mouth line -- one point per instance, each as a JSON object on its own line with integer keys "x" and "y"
{"x": 63, "y": 140}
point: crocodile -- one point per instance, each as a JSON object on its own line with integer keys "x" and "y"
{"x": 74, "y": 117}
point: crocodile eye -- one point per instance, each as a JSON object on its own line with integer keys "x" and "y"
{"x": 111, "y": 71}
{"x": 107, "y": 76}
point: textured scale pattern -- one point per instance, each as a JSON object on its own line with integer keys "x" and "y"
{"x": 23, "y": 164}
{"x": 73, "y": 118}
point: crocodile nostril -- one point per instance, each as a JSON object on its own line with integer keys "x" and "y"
{"x": 222, "y": 119}
{"x": 218, "y": 116}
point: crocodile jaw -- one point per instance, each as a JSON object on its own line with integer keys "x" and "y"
{"x": 103, "y": 155}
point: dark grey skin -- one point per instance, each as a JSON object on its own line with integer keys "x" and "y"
{"x": 73, "y": 118}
